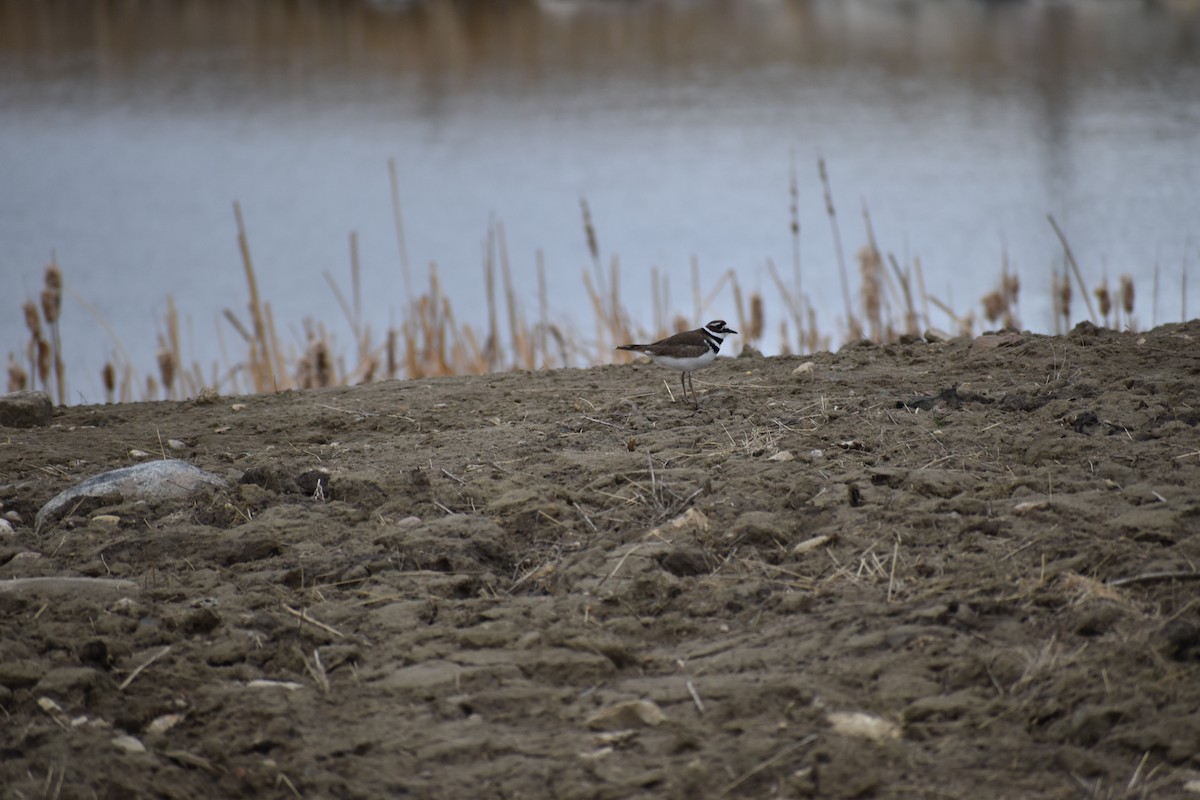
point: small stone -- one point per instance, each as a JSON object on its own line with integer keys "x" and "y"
{"x": 804, "y": 370}
{"x": 782, "y": 455}
{"x": 863, "y": 726}
{"x": 160, "y": 725}
{"x": 106, "y": 521}
{"x": 129, "y": 744}
{"x": 937, "y": 336}
{"x": 692, "y": 520}
{"x": 28, "y": 409}
{"x": 138, "y": 454}
{"x": 623, "y": 716}
{"x": 175, "y": 444}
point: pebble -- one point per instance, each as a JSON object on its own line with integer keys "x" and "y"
{"x": 623, "y": 716}
{"x": 863, "y": 726}
{"x": 804, "y": 369}
{"x": 129, "y": 744}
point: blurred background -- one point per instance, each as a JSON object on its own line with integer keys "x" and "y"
{"x": 693, "y": 130}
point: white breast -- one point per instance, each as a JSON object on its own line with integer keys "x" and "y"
{"x": 684, "y": 364}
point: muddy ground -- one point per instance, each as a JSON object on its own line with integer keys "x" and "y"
{"x": 927, "y": 570}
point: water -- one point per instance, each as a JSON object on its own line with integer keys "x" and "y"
{"x": 128, "y": 129}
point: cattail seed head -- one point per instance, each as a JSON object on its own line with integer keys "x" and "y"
{"x": 1063, "y": 295}
{"x": 32, "y": 320}
{"x": 1127, "y": 294}
{"x": 54, "y": 279}
{"x": 52, "y": 294}
{"x": 994, "y": 305}
{"x": 1104, "y": 298}
{"x": 45, "y": 356}
{"x": 166, "y": 368}
{"x": 392, "y": 362}
{"x": 109, "y": 376}
{"x": 1011, "y": 285}
{"x": 322, "y": 365}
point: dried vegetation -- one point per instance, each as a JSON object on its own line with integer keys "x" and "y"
{"x": 888, "y": 304}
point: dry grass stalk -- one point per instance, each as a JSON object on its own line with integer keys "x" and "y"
{"x": 169, "y": 355}
{"x": 430, "y": 342}
{"x": 1183, "y": 292}
{"x": 870, "y": 267}
{"x": 853, "y": 328}
{"x": 803, "y": 316}
{"x": 754, "y": 330}
{"x": 964, "y": 322}
{"x": 398, "y": 223}
{"x": 876, "y": 287}
{"x": 1074, "y": 266}
{"x": 912, "y": 320}
{"x": 1154, "y": 298}
{"x": 492, "y": 346}
{"x": 794, "y": 227}
{"x": 260, "y": 361}
{"x": 142, "y": 667}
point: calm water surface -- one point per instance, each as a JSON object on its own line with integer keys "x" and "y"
{"x": 127, "y": 130}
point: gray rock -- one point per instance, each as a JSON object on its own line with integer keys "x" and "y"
{"x": 27, "y": 409}
{"x": 153, "y": 480}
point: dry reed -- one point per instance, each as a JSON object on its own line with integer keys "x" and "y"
{"x": 429, "y": 341}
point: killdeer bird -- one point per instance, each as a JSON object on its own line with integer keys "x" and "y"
{"x": 687, "y": 352}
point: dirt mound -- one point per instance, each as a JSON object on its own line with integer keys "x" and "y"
{"x": 929, "y": 570}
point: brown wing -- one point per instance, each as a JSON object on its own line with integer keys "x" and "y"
{"x": 676, "y": 350}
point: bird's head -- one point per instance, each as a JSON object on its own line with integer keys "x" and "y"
{"x": 719, "y": 329}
